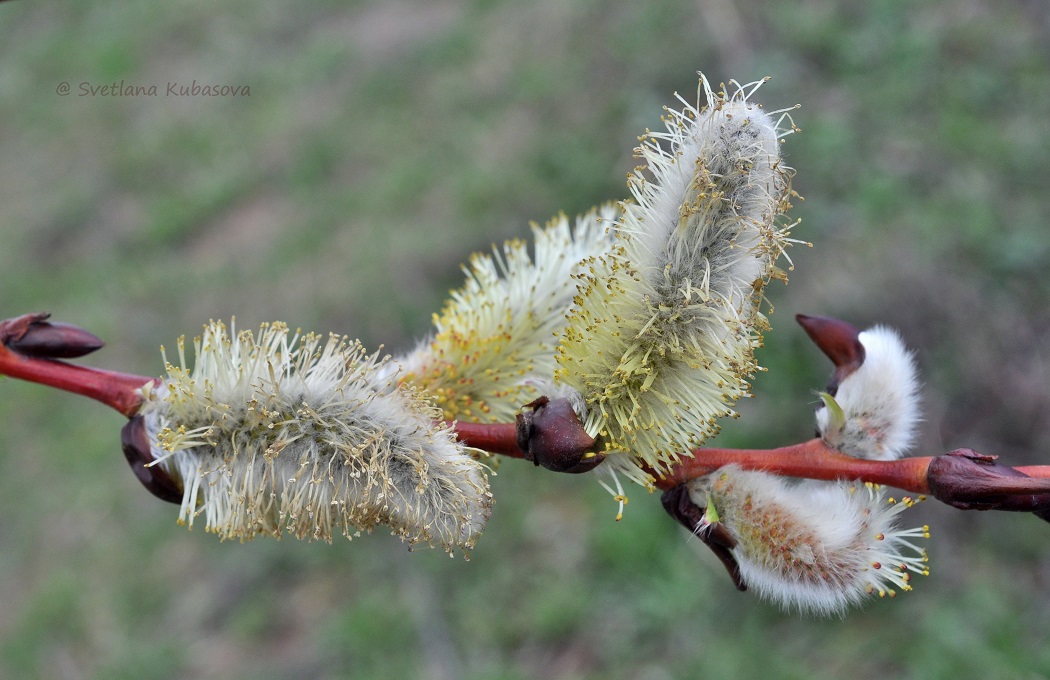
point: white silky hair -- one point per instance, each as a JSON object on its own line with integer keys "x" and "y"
{"x": 879, "y": 401}
{"x": 813, "y": 547}
{"x": 713, "y": 247}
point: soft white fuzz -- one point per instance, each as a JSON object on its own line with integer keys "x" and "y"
{"x": 280, "y": 432}
{"x": 875, "y": 410}
{"x": 493, "y": 344}
{"x": 817, "y": 548}
{"x": 661, "y": 340}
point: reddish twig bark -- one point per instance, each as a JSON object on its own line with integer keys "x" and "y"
{"x": 501, "y": 438}
{"x": 810, "y": 460}
{"x": 28, "y": 344}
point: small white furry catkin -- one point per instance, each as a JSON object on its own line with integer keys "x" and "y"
{"x": 875, "y": 409}
{"x": 661, "y": 339}
{"x": 818, "y": 547}
{"x": 280, "y": 433}
{"x": 493, "y": 345}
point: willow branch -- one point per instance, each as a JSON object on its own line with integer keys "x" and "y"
{"x": 811, "y": 459}
{"x": 962, "y": 478}
{"x": 549, "y": 433}
{"x": 29, "y": 345}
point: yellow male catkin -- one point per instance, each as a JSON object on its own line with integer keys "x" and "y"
{"x": 279, "y": 432}
{"x": 661, "y": 339}
{"x": 493, "y": 345}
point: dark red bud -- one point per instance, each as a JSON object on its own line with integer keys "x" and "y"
{"x": 135, "y": 441}
{"x": 838, "y": 341}
{"x": 549, "y": 434}
{"x": 56, "y": 341}
{"x": 715, "y": 535}
{"x": 32, "y": 335}
{"x": 969, "y": 480}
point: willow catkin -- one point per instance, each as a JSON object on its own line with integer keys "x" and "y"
{"x": 493, "y": 344}
{"x": 818, "y": 547}
{"x": 660, "y": 342}
{"x": 280, "y": 432}
{"x": 875, "y": 409}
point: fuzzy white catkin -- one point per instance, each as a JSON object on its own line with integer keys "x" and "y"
{"x": 814, "y": 547}
{"x": 280, "y": 432}
{"x": 878, "y": 402}
{"x": 493, "y": 345}
{"x": 661, "y": 341}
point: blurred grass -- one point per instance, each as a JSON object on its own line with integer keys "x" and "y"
{"x": 383, "y": 142}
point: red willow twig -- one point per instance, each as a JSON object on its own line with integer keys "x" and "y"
{"x": 962, "y": 478}
{"x": 811, "y": 459}
{"x": 30, "y": 347}
{"x": 549, "y": 434}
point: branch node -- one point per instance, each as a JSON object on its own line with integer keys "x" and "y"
{"x": 550, "y": 434}
{"x": 969, "y": 480}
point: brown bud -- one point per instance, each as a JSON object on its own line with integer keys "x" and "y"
{"x": 969, "y": 480}
{"x": 549, "y": 434}
{"x": 32, "y": 335}
{"x": 838, "y": 341}
{"x": 135, "y": 441}
{"x": 715, "y": 535}
{"x": 56, "y": 341}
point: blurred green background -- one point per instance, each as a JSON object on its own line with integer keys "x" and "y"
{"x": 383, "y": 142}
